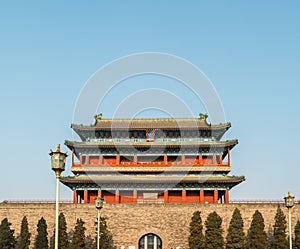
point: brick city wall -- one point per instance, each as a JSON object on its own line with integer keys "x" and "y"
{"x": 129, "y": 222}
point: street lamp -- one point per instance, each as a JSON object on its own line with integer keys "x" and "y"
{"x": 58, "y": 161}
{"x": 289, "y": 203}
{"x": 99, "y": 205}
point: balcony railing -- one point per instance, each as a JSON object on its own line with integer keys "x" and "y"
{"x": 152, "y": 164}
{"x": 199, "y": 139}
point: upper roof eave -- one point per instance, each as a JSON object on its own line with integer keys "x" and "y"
{"x": 227, "y": 143}
{"x": 149, "y": 179}
{"x": 142, "y": 124}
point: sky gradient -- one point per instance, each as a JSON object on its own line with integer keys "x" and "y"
{"x": 249, "y": 50}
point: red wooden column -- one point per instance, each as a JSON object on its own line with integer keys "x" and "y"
{"x": 72, "y": 157}
{"x": 202, "y": 196}
{"x": 165, "y": 159}
{"x": 226, "y": 196}
{"x": 134, "y": 196}
{"x": 221, "y": 160}
{"x": 183, "y": 159}
{"x": 214, "y": 159}
{"x": 166, "y": 196}
{"x": 117, "y": 196}
{"x": 100, "y": 159}
{"x": 85, "y": 196}
{"x": 75, "y": 196}
{"x": 87, "y": 160}
{"x": 200, "y": 160}
{"x": 80, "y": 160}
{"x": 118, "y": 160}
{"x": 215, "y": 196}
{"x": 183, "y": 196}
{"x": 100, "y": 193}
{"x": 228, "y": 157}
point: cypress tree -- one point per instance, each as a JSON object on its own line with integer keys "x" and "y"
{"x": 89, "y": 242}
{"x": 106, "y": 238}
{"x": 78, "y": 240}
{"x": 63, "y": 242}
{"x": 235, "y": 238}
{"x": 279, "y": 240}
{"x": 7, "y": 239}
{"x": 24, "y": 239}
{"x": 296, "y": 244}
{"x": 213, "y": 233}
{"x": 270, "y": 237}
{"x": 41, "y": 239}
{"x": 196, "y": 238}
{"x": 257, "y": 237}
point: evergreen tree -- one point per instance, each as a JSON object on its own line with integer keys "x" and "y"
{"x": 279, "y": 240}
{"x": 41, "y": 239}
{"x": 52, "y": 240}
{"x": 196, "y": 238}
{"x": 89, "y": 242}
{"x": 106, "y": 238}
{"x": 7, "y": 239}
{"x": 24, "y": 239}
{"x": 257, "y": 237}
{"x": 270, "y": 237}
{"x": 63, "y": 242}
{"x": 236, "y": 237}
{"x": 78, "y": 240}
{"x": 213, "y": 233}
{"x": 296, "y": 244}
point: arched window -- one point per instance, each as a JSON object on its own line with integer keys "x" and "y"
{"x": 150, "y": 241}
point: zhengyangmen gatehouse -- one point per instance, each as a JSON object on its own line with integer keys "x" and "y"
{"x": 151, "y": 160}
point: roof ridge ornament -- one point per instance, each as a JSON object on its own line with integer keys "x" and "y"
{"x": 203, "y": 117}
{"x": 98, "y": 118}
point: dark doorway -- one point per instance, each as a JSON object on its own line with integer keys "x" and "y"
{"x": 150, "y": 241}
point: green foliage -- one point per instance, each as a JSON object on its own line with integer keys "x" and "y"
{"x": 106, "y": 238}
{"x": 257, "y": 237}
{"x": 89, "y": 242}
{"x": 78, "y": 240}
{"x": 63, "y": 242}
{"x": 41, "y": 239}
{"x": 196, "y": 238}
{"x": 235, "y": 238}
{"x": 270, "y": 237}
{"x": 296, "y": 244}
{"x": 279, "y": 240}
{"x": 213, "y": 233}
{"x": 24, "y": 239}
{"x": 7, "y": 239}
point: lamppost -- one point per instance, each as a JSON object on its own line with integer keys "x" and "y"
{"x": 99, "y": 205}
{"x": 289, "y": 203}
{"x": 58, "y": 161}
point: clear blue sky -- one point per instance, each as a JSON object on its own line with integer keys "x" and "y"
{"x": 249, "y": 50}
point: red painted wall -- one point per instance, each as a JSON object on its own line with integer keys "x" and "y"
{"x": 192, "y": 197}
